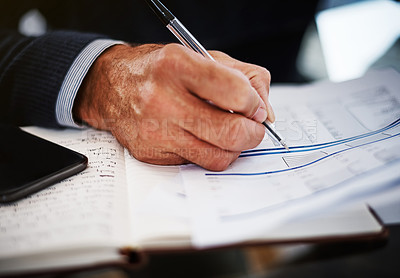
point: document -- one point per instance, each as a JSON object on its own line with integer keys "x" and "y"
{"x": 344, "y": 144}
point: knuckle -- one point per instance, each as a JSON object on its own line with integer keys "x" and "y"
{"x": 264, "y": 72}
{"x": 263, "y": 76}
{"x": 172, "y": 49}
{"x": 218, "y": 54}
{"x": 169, "y": 58}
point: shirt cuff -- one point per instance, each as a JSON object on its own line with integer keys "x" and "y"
{"x": 74, "y": 78}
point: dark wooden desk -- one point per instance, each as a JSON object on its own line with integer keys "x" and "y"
{"x": 360, "y": 259}
{"x": 352, "y": 259}
{"x": 370, "y": 259}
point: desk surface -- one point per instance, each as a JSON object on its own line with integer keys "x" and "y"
{"x": 371, "y": 259}
{"x": 367, "y": 259}
{"x": 362, "y": 259}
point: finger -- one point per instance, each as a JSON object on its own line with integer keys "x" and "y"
{"x": 157, "y": 152}
{"x": 205, "y": 154}
{"x": 220, "y": 128}
{"x": 179, "y": 148}
{"x": 260, "y": 78}
{"x": 225, "y": 87}
{"x": 157, "y": 156}
{"x": 271, "y": 113}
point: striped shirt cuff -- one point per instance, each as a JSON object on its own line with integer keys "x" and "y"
{"x": 74, "y": 78}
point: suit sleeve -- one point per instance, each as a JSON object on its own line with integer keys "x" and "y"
{"x": 32, "y": 70}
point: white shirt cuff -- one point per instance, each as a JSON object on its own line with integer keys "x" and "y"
{"x": 74, "y": 78}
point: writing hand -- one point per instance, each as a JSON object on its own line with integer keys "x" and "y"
{"x": 152, "y": 98}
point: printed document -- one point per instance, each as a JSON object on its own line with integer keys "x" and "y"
{"x": 344, "y": 144}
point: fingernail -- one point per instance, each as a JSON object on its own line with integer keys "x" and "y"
{"x": 271, "y": 113}
{"x": 260, "y": 115}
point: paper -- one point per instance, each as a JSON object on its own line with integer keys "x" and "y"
{"x": 387, "y": 205}
{"x": 343, "y": 137}
{"x": 86, "y": 209}
{"x": 157, "y": 205}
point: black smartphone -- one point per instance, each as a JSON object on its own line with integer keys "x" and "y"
{"x": 29, "y": 163}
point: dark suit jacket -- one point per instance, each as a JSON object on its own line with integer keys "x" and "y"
{"x": 263, "y": 32}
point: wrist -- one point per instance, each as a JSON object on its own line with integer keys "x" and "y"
{"x": 74, "y": 77}
{"x": 87, "y": 105}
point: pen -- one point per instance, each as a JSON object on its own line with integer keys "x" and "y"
{"x": 187, "y": 39}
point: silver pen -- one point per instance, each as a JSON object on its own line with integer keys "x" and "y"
{"x": 187, "y": 39}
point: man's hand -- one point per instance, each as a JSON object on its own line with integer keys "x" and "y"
{"x": 169, "y": 105}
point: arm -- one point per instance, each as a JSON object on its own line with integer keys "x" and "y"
{"x": 150, "y": 97}
{"x": 32, "y": 71}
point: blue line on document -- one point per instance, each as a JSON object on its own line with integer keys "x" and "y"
{"x": 259, "y": 152}
{"x": 301, "y": 166}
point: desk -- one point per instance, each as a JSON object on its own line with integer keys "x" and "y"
{"x": 370, "y": 259}
{"x": 362, "y": 259}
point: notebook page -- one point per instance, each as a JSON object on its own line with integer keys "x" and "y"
{"x": 158, "y": 207}
{"x": 84, "y": 210}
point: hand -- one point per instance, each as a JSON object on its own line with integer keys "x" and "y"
{"x": 152, "y": 99}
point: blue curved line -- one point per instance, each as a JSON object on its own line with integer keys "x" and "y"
{"x": 332, "y": 144}
{"x": 301, "y": 166}
{"x": 393, "y": 124}
{"x": 259, "y": 152}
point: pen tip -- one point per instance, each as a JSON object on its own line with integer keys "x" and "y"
{"x": 286, "y": 147}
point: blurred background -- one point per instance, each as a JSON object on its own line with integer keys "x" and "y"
{"x": 298, "y": 41}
